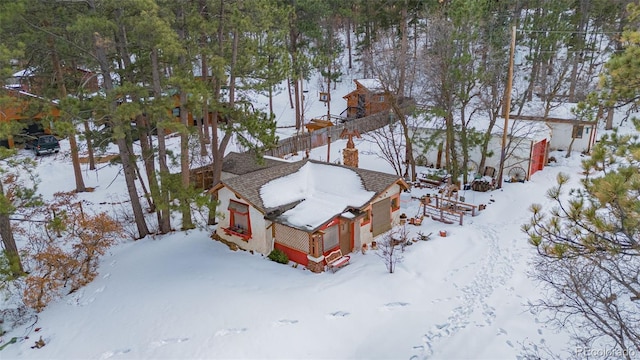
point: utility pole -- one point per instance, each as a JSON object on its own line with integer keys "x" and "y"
{"x": 507, "y": 105}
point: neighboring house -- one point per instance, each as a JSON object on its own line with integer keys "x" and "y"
{"x": 368, "y": 98}
{"x": 527, "y": 147}
{"x": 76, "y": 80}
{"x": 21, "y": 80}
{"x": 35, "y": 112}
{"x": 307, "y": 209}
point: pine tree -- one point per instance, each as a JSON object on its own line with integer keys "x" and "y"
{"x": 16, "y": 195}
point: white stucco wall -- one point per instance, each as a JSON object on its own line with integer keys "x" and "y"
{"x": 561, "y": 137}
{"x": 518, "y": 152}
{"x": 260, "y": 241}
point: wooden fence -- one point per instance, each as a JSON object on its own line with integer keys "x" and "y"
{"x": 202, "y": 177}
{"x": 321, "y": 137}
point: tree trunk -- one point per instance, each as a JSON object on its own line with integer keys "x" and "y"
{"x": 205, "y": 75}
{"x": 403, "y": 52}
{"x": 185, "y": 204}
{"x": 349, "y": 41}
{"x": 411, "y": 162}
{"x": 232, "y": 70}
{"x": 148, "y": 157}
{"x": 609, "y": 123}
{"x": 8, "y": 241}
{"x": 125, "y": 156}
{"x": 484, "y": 146}
{"x": 464, "y": 141}
{"x": 162, "y": 202}
{"x": 62, "y": 89}
{"x": 580, "y": 39}
{"x": 451, "y": 151}
{"x": 296, "y": 90}
{"x": 87, "y": 135}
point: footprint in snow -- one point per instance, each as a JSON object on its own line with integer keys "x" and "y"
{"x": 338, "y": 314}
{"x": 285, "y": 322}
{"x": 78, "y": 299}
{"x": 106, "y": 276}
{"x": 110, "y": 354}
{"x": 100, "y": 289}
{"x": 395, "y": 305}
{"x": 225, "y": 332}
{"x": 509, "y": 343}
{"x": 164, "y": 342}
{"x": 539, "y": 331}
{"x": 501, "y": 331}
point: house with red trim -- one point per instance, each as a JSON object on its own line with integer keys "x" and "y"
{"x": 307, "y": 209}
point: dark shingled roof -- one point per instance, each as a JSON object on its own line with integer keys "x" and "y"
{"x": 249, "y": 186}
{"x": 244, "y": 163}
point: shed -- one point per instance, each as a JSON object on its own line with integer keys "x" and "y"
{"x": 527, "y": 147}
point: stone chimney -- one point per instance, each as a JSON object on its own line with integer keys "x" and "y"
{"x": 350, "y": 153}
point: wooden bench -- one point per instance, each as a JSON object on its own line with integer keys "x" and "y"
{"x": 336, "y": 260}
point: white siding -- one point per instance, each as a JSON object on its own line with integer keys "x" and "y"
{"x": 518, "y": 153}
{"x": 562, "y": 134}
{"x": 366, "y": 236}
{"x": 260, "y": 240}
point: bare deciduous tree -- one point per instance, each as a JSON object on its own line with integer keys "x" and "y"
{"x": 389, "y": 248}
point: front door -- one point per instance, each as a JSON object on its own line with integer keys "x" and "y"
{"x": 346, "y": 227}
{"x": 538, "y": 155}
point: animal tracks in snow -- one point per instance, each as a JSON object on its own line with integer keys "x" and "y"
{"x": 395, "y": 305}
{"x": 78, "y": 298}
{"x": 110, "y": 354}
{"x": 338, "y": 314}
{"x": 285, "y": 322}
{"x": 225, "y": 332}
{"x": 164, "y": 342}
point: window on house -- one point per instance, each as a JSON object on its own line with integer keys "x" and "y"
{"x": 331, "y": 238}
{"x": 577, "y": 131}
{"x": 381, "y": 98}
{"x": 395, "y": 203}
{"x": 239, "y": 222}
{"x": 367, "y": 217}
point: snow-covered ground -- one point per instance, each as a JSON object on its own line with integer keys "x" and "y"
{"x": 185, "y": 295}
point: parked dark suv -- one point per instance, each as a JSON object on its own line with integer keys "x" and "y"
{"x": 43, "y": 144}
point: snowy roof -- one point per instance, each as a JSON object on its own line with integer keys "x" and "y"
{"x": 319, "y": 191}
{"x": 557, "y": 110}
{"x": 287, "y": 194}
{"x": 371, "y": 84}
{"x": 528, "y": 129}
{"x": 18, "y": 92}
{"x": 24, "y": 73}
